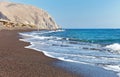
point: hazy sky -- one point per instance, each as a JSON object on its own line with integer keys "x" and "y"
{"x": 81, "y": 13}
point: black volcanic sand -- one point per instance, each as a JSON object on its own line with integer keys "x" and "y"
{"x": 17, "y": 61}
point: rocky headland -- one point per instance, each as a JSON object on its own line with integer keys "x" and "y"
{"x": 21, "y": 16}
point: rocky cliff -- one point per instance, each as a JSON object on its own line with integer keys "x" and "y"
{"x": 21, "y": 16}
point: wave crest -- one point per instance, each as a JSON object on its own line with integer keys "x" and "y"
{"x": 115, "y": 47}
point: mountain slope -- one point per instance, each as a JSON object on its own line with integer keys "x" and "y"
{"x": 18, "y": 16}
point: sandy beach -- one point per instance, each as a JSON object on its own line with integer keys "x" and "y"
{"x": 17, "y": 61}
{"x": 47, "y": 39}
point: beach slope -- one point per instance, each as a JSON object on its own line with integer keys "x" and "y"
{"x": 17, "y": 61}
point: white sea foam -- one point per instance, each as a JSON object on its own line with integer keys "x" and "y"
{"x": 115, "y": 68}
{"x": 22, "y": 40}
{"x": 92, "y": 57}
{"x": 48, "y": 54}
{"x": 115, "y": 47}
{"x": 26, "y": 35}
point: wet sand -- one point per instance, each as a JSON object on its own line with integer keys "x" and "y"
{"x": 17, "y": 61}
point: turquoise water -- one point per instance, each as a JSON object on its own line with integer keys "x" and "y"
{"x": 97, "y": 47}
{"x": 99, "y": 36}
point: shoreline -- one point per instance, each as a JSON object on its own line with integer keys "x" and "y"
{"x": 74, "y": 67}
{"x": 17, "y": 61}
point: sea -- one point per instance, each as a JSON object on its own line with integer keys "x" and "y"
{"x": 95, "y": 47}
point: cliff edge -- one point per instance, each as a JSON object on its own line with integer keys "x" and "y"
{"x": 21, "y": 16}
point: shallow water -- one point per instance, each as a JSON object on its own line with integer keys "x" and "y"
{"x": 85, "y": 70}
{"x": 96, "y": 47}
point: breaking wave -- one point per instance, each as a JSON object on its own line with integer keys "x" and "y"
{"x": 76, "y": 48}
{"x": 115, "y": 47}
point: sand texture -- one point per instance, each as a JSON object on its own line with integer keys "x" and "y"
{"x": 17, "y": 61}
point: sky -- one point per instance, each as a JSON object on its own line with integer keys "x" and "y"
{"x": 81, "y": 13}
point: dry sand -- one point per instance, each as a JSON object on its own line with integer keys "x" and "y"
{"x": 17, "y": 61}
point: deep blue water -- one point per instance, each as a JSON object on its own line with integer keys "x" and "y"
{"x": 96, "y": 47}
{"x": 99, "y": 36}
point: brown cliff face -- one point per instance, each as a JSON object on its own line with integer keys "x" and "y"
{"x": 18, "y": 16}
